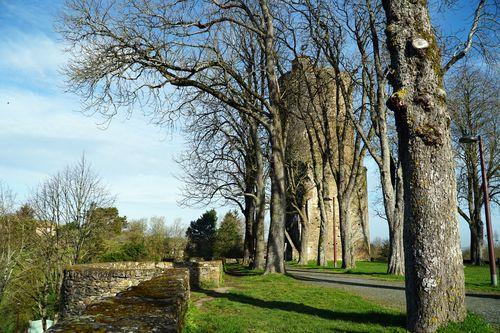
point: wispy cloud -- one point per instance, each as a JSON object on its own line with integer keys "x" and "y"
{"x": 35, "y": 55}
{"x": 40, "y": 134}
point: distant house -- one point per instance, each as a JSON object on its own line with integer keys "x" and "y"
{"x": 44, "y": 228}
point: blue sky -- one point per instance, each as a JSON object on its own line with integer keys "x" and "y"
{"x": 42, "y": 130}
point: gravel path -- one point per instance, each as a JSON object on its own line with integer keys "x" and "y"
{"x": 391, "y": 293}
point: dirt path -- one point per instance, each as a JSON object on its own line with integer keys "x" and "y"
{"x": 391, "y": 293}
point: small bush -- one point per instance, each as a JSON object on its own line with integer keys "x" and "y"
{"x": 127, "y": 252}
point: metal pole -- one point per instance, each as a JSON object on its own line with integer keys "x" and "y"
{"x": 487, "y": 213}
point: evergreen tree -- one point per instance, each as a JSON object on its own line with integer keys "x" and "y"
{"x": 229, "y": 240}
{"x": 201, "y": 235}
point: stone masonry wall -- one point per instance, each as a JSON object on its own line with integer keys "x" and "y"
{"x": 203, "y": 274}
{"x": 90, "y": 283}
{"x": 155, "y": 305}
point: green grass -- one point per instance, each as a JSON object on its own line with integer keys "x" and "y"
{"x": 477, "y": 278}
{"x": 275, "y": 303}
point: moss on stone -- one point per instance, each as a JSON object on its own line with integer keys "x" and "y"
{"x": 157, "y": 304}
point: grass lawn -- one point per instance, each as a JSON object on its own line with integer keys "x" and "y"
{"x": 252, "y": 302}
{"x": 476, "y": 277}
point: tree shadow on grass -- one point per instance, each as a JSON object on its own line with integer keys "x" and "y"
{"x": 368, "y": 317}
{"x": 322, "y": 270}
{"x": 239, "y": 270}
{"x": 367, "y": 284}
{"x": 349, "y": 283}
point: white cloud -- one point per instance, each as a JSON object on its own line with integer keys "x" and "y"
{"x": 40, "y": 134}
{"x": 35, "y": 55}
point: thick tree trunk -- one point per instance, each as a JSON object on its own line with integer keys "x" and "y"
{"x": 396, "y": 264}
{"x": 476, "y": 242}
{"x": 396, "y": 255}
{"x": 276, "y": 239}
{"x": 433, "y": 260}
{"x": 348, "y": 256}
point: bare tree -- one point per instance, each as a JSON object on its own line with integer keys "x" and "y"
{"x": 473, "y": 106}
{"x": 176, "y": 239}
{"x": 68, "y": 199}
{"x": 8, "y": 252}
{"x": 127, "y": 52}
{"x": 433, "y": 261}
{"x": 62, "y": 206}
{"x": 222, "y": 164}
{"x": 364, "y": 24}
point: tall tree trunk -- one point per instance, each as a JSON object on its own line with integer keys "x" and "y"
{"x": 248, "y": 244}
{"x": 475, "y": 200}
{"x": 348, "y": 256}
{"x": 43, "y": 306}
{"x": 476, "y": 241}
{"x": 304, "y": 235}
{"x": 322, "y": 195}
{"x": 260, "y": 189}
{"x": 433, "y": 260}
{"x": 396, "y": 264}
{"x": 276, "y": 239}
{"x": 321, "y": 259}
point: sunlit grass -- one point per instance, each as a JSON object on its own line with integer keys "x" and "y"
{"x": 276, "y": 303}
{"x": 477, "y": 278}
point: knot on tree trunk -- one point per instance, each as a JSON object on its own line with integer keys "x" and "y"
{"x": 396, "y": 102}
{"x": 419, "y": 43}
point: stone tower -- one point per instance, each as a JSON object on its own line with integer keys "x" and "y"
{"x": 311, "y": 97}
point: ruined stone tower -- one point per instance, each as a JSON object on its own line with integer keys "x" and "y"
{"x": 312, "y": 96}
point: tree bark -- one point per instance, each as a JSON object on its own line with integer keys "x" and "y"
{"x": 475, "y": 204}
{"x": 396, "y": 255}
{"x": 476, "y": 242}
{"x": 276, "y": 239}
{"x": 348, "y": 256}
{"x": 43, "y": 306}
{"x": 323, "y": 197}
{"x": 433, "y": 259}
{"x": 304, "y": 235}
{"x": 258, "y": 232}
{"x": 395, "y": 218}
{"x": 321, "y": 259}
{"x": 248, "y": 244}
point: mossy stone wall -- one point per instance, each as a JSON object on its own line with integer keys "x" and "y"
{"x": 90, "y": 283}
{"x": 155, "y": 305}
{"x": 203, "y": 274}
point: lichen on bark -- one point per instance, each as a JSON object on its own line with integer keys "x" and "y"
{"x": 433, "y": 261}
